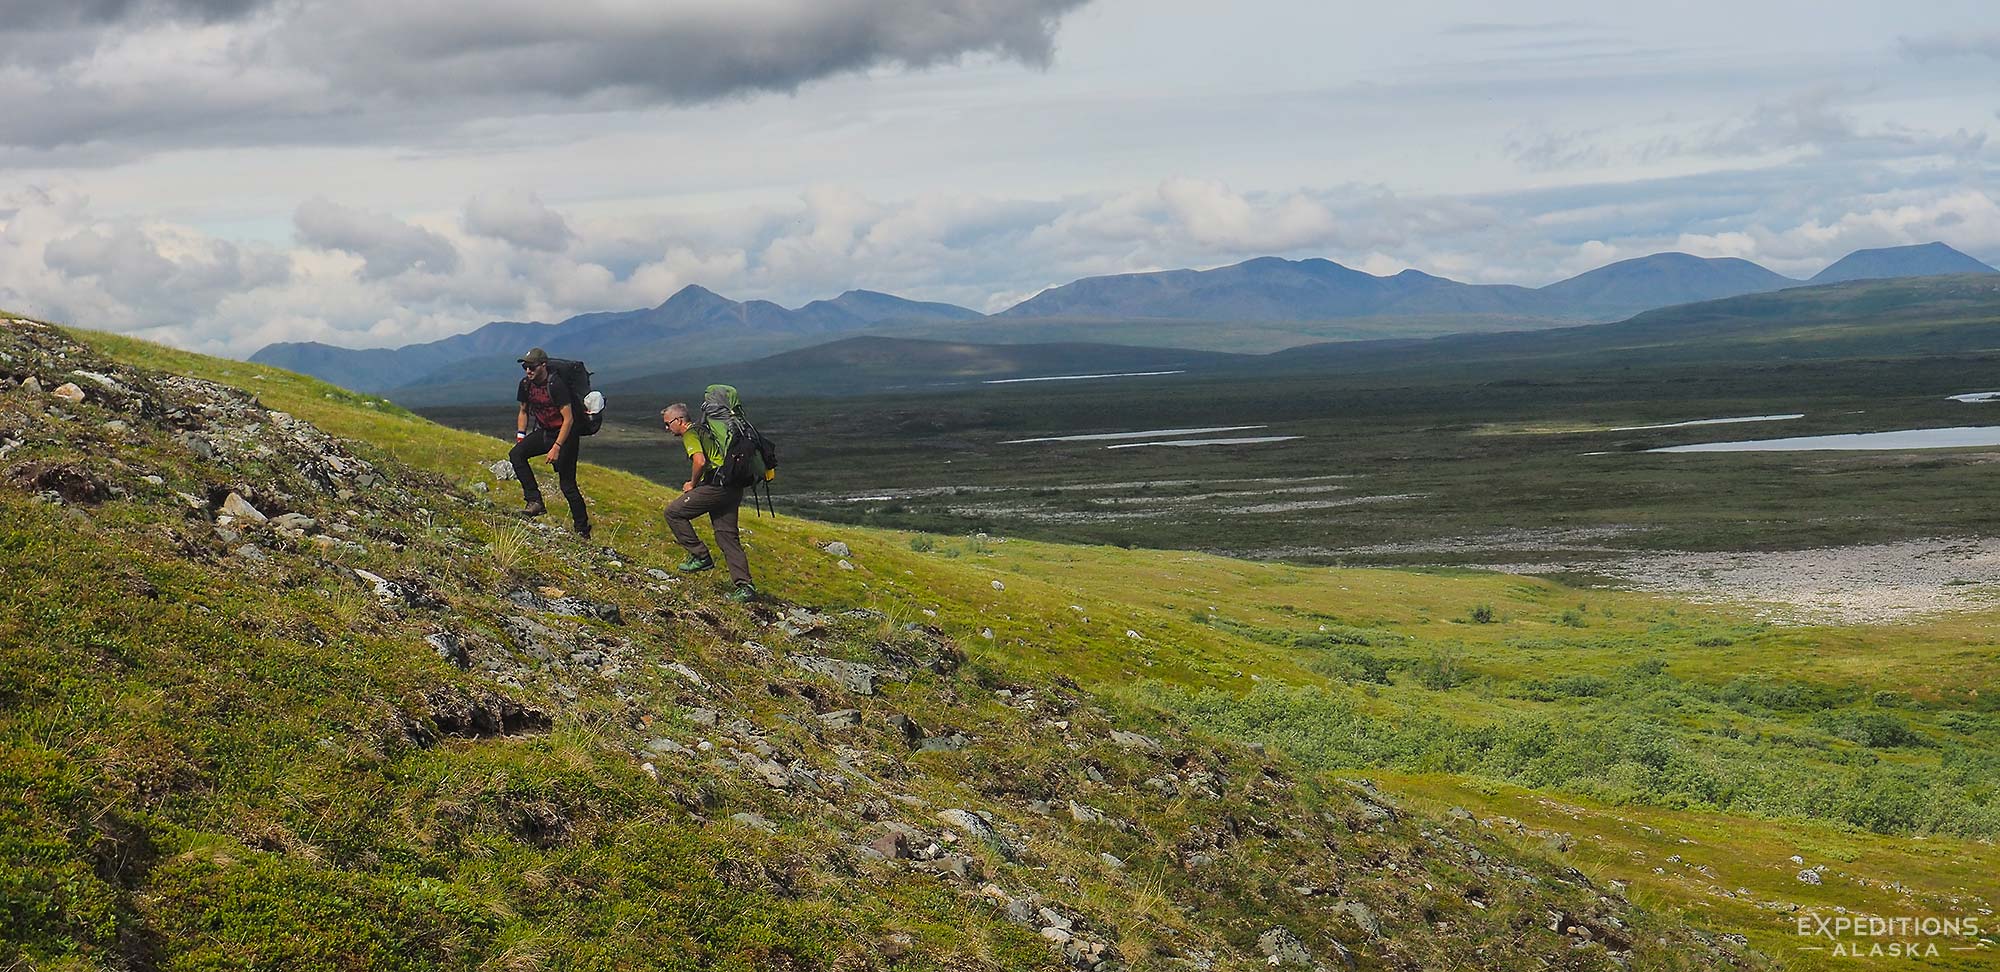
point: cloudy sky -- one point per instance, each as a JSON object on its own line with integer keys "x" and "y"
{"x": 220, "y": 174}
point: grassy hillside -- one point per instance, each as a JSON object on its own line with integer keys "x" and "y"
{"x": 227, "y": 747}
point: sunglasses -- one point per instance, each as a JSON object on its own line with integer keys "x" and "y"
{"x": 528, "y": 367}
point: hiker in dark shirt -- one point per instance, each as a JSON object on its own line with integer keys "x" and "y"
{"x": 546, "y": 399}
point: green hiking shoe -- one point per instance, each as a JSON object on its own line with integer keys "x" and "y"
{"x": 743, "y": 594}
{"x": 697, "y": 564}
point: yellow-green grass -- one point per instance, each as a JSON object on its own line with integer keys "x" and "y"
{"x": 1727, "y": 872}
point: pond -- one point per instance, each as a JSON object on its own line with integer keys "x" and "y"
{"x": 1120, "y": 374}
{"x": 1713, "y": 421}
{"x": 1953, "y": 438}
{"x": 1188, "y": 443}
{"x": 1149, "y": 433}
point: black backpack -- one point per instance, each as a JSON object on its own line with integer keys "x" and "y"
{"x": 577, "y": 378}
{"x": 748, "y": 458}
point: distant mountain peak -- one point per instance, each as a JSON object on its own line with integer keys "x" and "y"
{"x": 1918, "y": 260}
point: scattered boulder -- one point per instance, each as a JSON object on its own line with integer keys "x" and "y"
{"x": 1283, "y": 949}
{"x": 841, "y": 718}
{"x": 450, "y": 647}
{"x": 68, "y": 392}
{"x": 855, "y": 677}
{"x": 754, "y": 821}
{"x": 1134, "y": 740}
{"x": 999, "y": 586}
{"x": 838, "y": 549}
{"x": 578, "y": 607}
{"x": 502, "y": 470}
{"x": 912, "y": 733}
{"x": 294, "y": 524}
{"x": 892, "y": 846}
{"x": 236, "y": 506}
{"x": 1810, "y": 876}
{"x": 1363, "y": 916}
{"x": 945, "y": 744}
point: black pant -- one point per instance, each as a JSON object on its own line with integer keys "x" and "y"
{"x": 721, "y": 505}
{"x": 537, "y": 444}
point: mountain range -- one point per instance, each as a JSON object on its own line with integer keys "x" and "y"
{"x": 697, "y": 327}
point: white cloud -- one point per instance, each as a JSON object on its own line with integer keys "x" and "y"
{"x": 359, "y": 278}
{"x": 520, "y": 219}
{"x": 387, "y": 246}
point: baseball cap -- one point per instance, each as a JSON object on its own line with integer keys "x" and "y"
{"x": 534, "y": 356}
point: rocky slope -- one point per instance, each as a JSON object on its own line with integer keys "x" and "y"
{"x": 270, "y": 698}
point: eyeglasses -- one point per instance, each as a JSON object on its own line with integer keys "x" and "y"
{"x": 525, "y": 366}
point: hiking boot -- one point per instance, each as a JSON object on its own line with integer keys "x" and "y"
{"x": 697, "y": 564}
{"x": 582, "y": 530}
{"x": 743, "y": 594}
{"x": 534, "y": 508}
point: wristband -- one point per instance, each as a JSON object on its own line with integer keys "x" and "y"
{"x": 519, "y": 435}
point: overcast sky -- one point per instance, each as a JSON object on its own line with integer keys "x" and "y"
{"x": 220, "y": 174}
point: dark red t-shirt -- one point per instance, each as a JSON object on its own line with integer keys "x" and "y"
{"x": 545, "y": 402}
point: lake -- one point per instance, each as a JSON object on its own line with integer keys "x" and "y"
{"x": 1953, "y": 438}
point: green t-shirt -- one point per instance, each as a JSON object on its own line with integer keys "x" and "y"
{"x": 712, "y": 445}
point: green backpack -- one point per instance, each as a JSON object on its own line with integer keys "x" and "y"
{"x": 748, "y": 458}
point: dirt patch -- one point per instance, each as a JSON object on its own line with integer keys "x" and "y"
{"x": 73, "y": 483}
{"x": 1869, "y": 584}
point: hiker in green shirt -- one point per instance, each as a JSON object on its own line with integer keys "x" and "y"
{"x": 706, "y": 440}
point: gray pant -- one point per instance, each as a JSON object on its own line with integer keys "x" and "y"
{"x": 721, "y": 506}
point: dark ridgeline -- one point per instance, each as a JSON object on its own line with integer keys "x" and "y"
{"x": 697, "y": 327}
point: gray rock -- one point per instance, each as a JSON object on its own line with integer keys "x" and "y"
{"x": 665, "y": 745}
{"x": 912, "y": 733}
{"x": 855, "y": 677}
{"x": 1364, "y": 917}
{"x": 1021, "y": 911}
{"x": 502, "y": 470}
{"x": 106, "y": 381}
{"x": 892, "y": 846}
{"x": 1133, "y": 740}
{"x": 235, "y": 505}
{"x": 295, "y": 523}
{"x": 1810, "y": 876}
{"x": 773, "y": 774}
{"x": 658, "y": 574}
{"x": 844, "y": 565}
{"x": 1111, "y": 859}
{"x": 32, "y": 385}
{"x": 449, "y": 647}
{"x": 252, "y": 553}
{"x": 754, "y": 821}
{"x": 944, "y": 744}
{"x": 1084, "y": 814}
{"x": 971, "y": 824}
{"x": 1281, "y": 948}
{"x": 1459, "y": 813}
{"x": 68, "y": 392}
{"x": 841, "y": 718}
{"x": 688, "y": 675}
{"x": 838, "y": 549}
{"x": 704, "y": 717}
{"x": 957, "y": 866}
{"x": 578, "y": 607}
{"x": 154, "y": 480}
